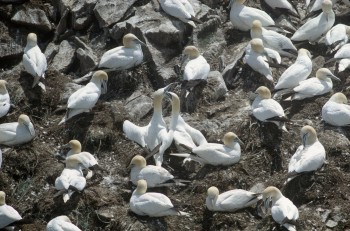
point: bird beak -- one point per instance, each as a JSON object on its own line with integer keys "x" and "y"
{"x": 183, "y": 59}
{"x": 239, "y": 141}
{"x": 30, "y": 128}
{"x": 334, "y": 77}
{"x": 212, "y": 202}
{"x": 304, "y": 139}
{"x": 65, "y": 146}
{"x": 104, "y": 87}
{"x": 140, "y": 42}
{"x": 167, "y": 88}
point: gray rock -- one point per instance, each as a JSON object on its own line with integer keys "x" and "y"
{"x": 216, "y": 86}
{"x": 331, "y": 224}
{"x": 106, "y": 214}
{"x": 109, "y": 12}
{"x": 69, "y": 89}
{"x": 32, "y": 17}
{"x": 64, "y": 58}
{"x": 62, "y": 24}
{"x": 82, "y": 13}
{"x": 87, "y": 60}
{"x": 50, "y": 51}
{"x": 138, "y": 105}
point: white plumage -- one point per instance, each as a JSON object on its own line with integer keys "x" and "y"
{"x": 282, "y": 4}
{"x": 337, "y": 36}
{"x": 336, "y": 111}
{"x": 17, "y": 133}
{"x": 61, "y": 223}
{"x": 8, "y": 214}
{"x": 197, "y": 67}
{"x": 4, "y": 99}
{"x": 181, "y": 9}
{"x": 343, "y": 52}
{"x": 343, "y": 65}
{"x": 318, "y": 5}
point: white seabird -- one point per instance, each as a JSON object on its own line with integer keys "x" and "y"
{"x": 71, "y": 178}
{"x": 151, "y": 204}
{"x": 75, "y": 148}
{"x": 123, "y": 57}
{"x": 243, "y": 16}
{"x": 215, "y": 154}
{"x": 4, "y": 99}
{"x": 0, "y": 158}
{"x": 313, "y": 29}
{"x": 318, "y": 5}
{"x": 282, "y": 4}
{"x": 154, "y": 175}
{"x": 230, "y": 201}
{"x": 85, "y": 98}
{"x": 343, "y": 52}
{"x": 182, "y": 133}
{"x": 181, "y": 9}
{"x": 256, "y": 56}
{"x": 266, "y": 109}
{"x": 336, "y": 111}
{"x": 283, "y": 211}
{"x": 343, "y": 64}
{"x": 309, "y": 156}
{"x": 8, "y": 214}
{"x": 34, "y": 61}
{"x": 61, "y": 223}
{"x": 154, "y": 136}
{"x": 338, "y": 36}
{"x": 319, "y": 85}
{"x": 272, "y": 39}
{"x": 197, "y": 68}
{"x": 297, "y": 72}
{"x": 17, "y": 133}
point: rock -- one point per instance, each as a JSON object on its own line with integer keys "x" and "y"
{"x": 62, "y": 24}
{"x": 32, "y": 17}
{"x": 9, "y": 49}
{"x": 216, "y": 87}
{"x": 138, "y": 105}
{"x": 82, "y": 13}
{"x": 87, "y": 61}
{"x": 331, "y": 224}
{"x": 50, "y": 51}
{"x": 106, "y": 214}
{"x": 64, "y": 58}
{"x": 5, "y": 11}
{"x": 109, "y": 12}
{"x": 69, "y": 89}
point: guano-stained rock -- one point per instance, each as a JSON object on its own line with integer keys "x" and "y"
{"x": 32, "y": 17}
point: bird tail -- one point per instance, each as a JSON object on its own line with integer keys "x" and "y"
{"x": 184, "y": 214}
{"x": 195, "y": 19}
{"x": 70, "y": 113}
{"x": 185, "y": 155}
{"x": 192, "y": 24}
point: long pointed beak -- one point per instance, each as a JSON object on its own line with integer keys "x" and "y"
{"x": 239, "y": 141}
{"x": 140, "y": 42}
{"x": 167, "y": 88}
{"x": 183, "y": 59}
{"x": 334, "y": 77}
{"x": 104, "y": 87}
{"x": 30, "y": 128}
{"x": 65, "y": 146}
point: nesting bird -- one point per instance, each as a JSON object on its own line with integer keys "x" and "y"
{"x": 197, "y": 68}
{"x": 243, "y": 16}
{"x": 319, "y": 85}
{"x": 318, "y": 5}
{"x": 181, "y": 9}
{"x": 8, "y": 214}
{"x": 336, "y": 111}
{"x": 343, "y": 65}
{"x": 272, "y": 39}
{"x": 313, "y": 29}
{"x": 151, "y": 204}
{"x": 230, "y": 201}
{"x": 283, "y": 211}
{"x": 154, "y": 137}
{"x": 342, "y": 53}
{"x": 154, "y": 175}
{"x": 85, "y": 98}
{"x": 266, "y": 109}
{"x": 309, "y": 156}
{"x": 338, "y": 36}
{"x": 34, "y": 61}
{"x": 17, "y": 133}
{"x": 61, "y": 223}
{"x": 123, "y": 57}
{"x": 215, "y": 154}
{"x": 282, "y": 4}
{"x": 4, "y": 99}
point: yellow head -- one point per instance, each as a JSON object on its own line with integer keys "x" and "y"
{"x": 303, "y": 51}
{"x": 141, "y": 187}
{"x": 339, "y": 98}
{"x": 257, "y": 45}
{"x": 101, "y": 75}
{"x": 308, "y": 135}
{"x": 191, "y": 51}
{"x": 325, "y": 73}
{"x": 271, "y": 193}
{"x": 130, "y": 40}
{"x": 230, "y": 138}
{"x": 327, "y": 6}
{"x": 75, "y": 145}
{"x": 263, "y": 92}
{"x": 32, "y": 39}
{"x": 2, "y": 197}
{"x": 138, "y": 161}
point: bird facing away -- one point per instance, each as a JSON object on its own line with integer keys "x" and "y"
{"x": 338, "y": 36}
{"x": 282, "y": 4}
{"x": 283, "y": 211}
{"x": 8, "y": 215}
{"x": 123, "y": 57}
{"x": 315, "y": 28}
{"x": 336, "y": 111}
{"x": 4, "y": 99}
{"x": 85, "y": 98}
{"x": 17, "y": 133}
{"x": 198, "y": 67}
{"x": 243, "y": 16}
{"x": 230, "y": 201}
{"x": 309, "y": 156}
{"x": 266, "y": 109}
{"x": 151, "y": 204}
{"x": 215, "y": 154}
{"x": 154, "y": 137}
{"x": 34, "y": 61}
{"x": 154, "y": 175}
{"x": 61, "y": 223}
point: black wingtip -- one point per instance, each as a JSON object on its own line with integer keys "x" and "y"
{"x": 194, "y": 19}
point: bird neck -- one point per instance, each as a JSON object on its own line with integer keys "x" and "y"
{"x": 175, "y": 106}
{"x": 3, "y": 90}
{"x": 157, "y": 104}
{"x": 256, "y": 32}
{"x": 2, "y": 201}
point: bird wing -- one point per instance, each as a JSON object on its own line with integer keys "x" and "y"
{"x": 196, "y": 135}
{"x": 29, "y": 64}
{"x": 41, "y": 63}
{"x": 66, "y": 226}
{"x": 154, "y": 175}
{"x": 295, "y": 158}
{"x": 118, "y": 57}
{"x": 273, "y": 54}
{"x": 196, "y": 70}
{"x": 236, "y": 199}
{"x": 176, "y": 9}
{"x": 153, "y": 203}
{"x": 339, "y": 113}
{"x": 188, "y": 7}
{"x": 310, "y": 87}
{"x": 84, "y": 98}
{"x": 135, "y": 133}
{"x": 8, "y": 132}
{"x": 275, "y": 40}
{"x": 292, "y": 76}
{"x": 343, "y": 52}
{"x": 8, "y": 215}
{"x": 311, "y": 159}
{"x": 313, "y": 27}
{"x": 268, "y": 108}
{"x": 249, "y": 14}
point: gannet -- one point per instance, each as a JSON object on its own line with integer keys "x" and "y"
{"x": 231, "y": 200}
{"x": 309, "y": 156}
{"x": 282, "y": 4}
{"x": 256, "y": 57}
{"x": 338, "y": 36}
{"x": 313, "y": 29}
{"x": 61, "y": 223}
{"x": 84, "y": 99}
{"x": 154, "y": 175}
{"x": 197, "y": 67}
{"x": 151, "y": 204}
{"x": 0, "y": 158}
{"x": 182, "y": 133}
{"x": 153, "y": 136}
{"x": 319, "y": 85}
{"x": 307, "y": 2}
{"x": 17, "y": 133}
{"x": 318, "y": 5}
{"x": 343, "y": 64}
{"x": 297, "y": 72}
{"x": 8, "y": 214}
{"x": 34, "y": 61}
{"x": 283, "y": 211}
{"x": 181, "y": 9}
{"x": 343, "y": 52}
{"x": 4, "y": 99}
{"x": 71, "y": 178}
{"x": 272, "y": 39}
{"x": 215, "y": 154}
{"x": 243, "y": 16}
{"x": 75, "y": 147}
{"x": 123, "y": 57}
{"x": 336, "y": 111}
{"x": 266, "y": 109}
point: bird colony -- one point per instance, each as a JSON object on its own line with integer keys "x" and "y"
{"x": 168, "y": 165}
